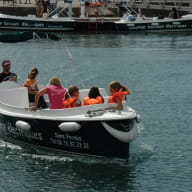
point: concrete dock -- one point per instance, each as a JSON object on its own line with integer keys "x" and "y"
{"x": 25, "y": 7}
{"x": 113, "y": 9}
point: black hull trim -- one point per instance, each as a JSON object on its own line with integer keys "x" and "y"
{"x": 10, "y": 24}
{"x": 91, "y": 139}
{"x": 156, "y": 26}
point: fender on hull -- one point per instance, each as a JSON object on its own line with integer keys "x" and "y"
{"x": 122, "y": 136}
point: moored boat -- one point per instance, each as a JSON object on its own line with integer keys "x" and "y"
{"x": 182, "y": 24}
{"x": 19, "y": 36}
{"x": 33, "y": 23}
{"x": 96, "y": 130}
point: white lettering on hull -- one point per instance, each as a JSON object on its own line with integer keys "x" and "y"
{"x": 57, "y": 139}
{"x": 69, "y": 141}
{"x": 7, "y": 23}
{"x": 15, "y": 132}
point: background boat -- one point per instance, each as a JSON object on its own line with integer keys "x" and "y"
{"x": 13, "y": 37}
{"x": 32, "y": 23}
{"x": 182, "y": 24}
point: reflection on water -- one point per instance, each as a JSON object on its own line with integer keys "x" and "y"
{"x": 56, "y": 170}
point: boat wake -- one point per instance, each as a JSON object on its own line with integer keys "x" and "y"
{"x": 35, "y": 153}
{"x": 10, "y": 146}
{"x": 139, "y": 154}
{"x": 140, "y": 127}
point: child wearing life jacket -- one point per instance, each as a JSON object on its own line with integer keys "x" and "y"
{"x": 72, "y": 98}
{"x": 94, "y": 97}
{"x": 118, "y": 93}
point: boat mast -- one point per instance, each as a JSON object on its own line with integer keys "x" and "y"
{"x": 82, "y": 5}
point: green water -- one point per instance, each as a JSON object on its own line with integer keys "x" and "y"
{"x": 156, "y": 68}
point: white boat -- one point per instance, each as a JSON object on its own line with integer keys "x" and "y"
{"x": 95, "y": 130}
{"x": 182, "y": 24}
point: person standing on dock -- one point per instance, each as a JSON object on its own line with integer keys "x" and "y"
{"x": 44, "y": 8}
{"x": 38, "y": 8}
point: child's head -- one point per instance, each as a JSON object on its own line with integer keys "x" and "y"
{"x": 73, "y": 91}
{"x": 115, "y": 86}
{"x": 94, "y": 92}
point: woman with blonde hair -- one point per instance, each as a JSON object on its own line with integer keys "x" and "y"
{"x": 55, "y": 92}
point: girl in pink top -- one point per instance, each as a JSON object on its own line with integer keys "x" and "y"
{"x": 55, "y": 93}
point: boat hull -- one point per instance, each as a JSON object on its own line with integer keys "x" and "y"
{"x": 13, "y": 37}
{"x": 91, "y": 139}
{"x": 165, "y": 25}
{"x": 13, "y": 23}
{"x": 100, "y": 25}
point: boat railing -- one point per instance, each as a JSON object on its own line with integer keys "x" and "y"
{"x": 182, "y": 5}
{"x": 83, "y": 110}
{"x": 129, "y": 9}
{"x": 98, "y": 112}
{"x": 58, "y": 11}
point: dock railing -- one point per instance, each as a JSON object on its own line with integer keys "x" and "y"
{"x": 183, "y": 5}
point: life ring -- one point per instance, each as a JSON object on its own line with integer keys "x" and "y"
{"x": 97, "y": 5}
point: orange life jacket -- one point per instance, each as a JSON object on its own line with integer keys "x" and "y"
{"x": 115, "y": 97}
{"x": 91, "y": 101}
{"x": 72, "y": 102}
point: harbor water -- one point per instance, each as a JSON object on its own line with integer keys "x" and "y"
{"x": 157, "y": 70}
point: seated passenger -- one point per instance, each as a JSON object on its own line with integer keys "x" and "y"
{"x": 33, "y": 88}
{"x": 118, "y": 93}
{"x": 140, "y": 16}
{"x": 94, "y": 97}
{"x": 6, "y": 75}
{"x": 55, "y": 93}
{"x": 72, "y": 98}
{"x": 161, "y": 16}
{"x": 131, "y": 16}
{"x": 174, "y": 14}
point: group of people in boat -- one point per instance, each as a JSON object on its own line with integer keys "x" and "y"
{"x": 59, "y": 97}
{"x": 133, "y": 16}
